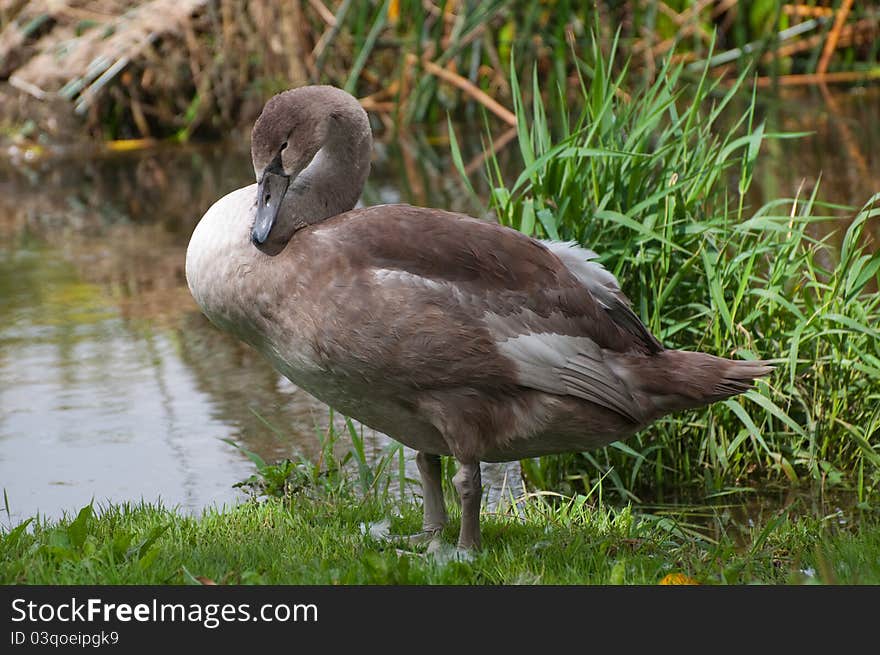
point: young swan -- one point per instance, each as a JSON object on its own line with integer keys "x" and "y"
{"x": 452, "y": 335}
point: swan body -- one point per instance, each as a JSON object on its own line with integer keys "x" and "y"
{"x": 452, "y": 335}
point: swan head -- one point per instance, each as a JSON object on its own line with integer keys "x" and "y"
{"x": 303, "y": 135}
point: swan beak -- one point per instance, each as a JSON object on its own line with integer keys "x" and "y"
{"x": 270, "y": 193}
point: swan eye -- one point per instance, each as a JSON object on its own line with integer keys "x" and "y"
{"x": 283, "y": 145}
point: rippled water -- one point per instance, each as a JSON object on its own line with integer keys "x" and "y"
{"x": 112, "y": 384}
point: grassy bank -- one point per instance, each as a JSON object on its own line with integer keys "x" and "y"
{"x": 326, "y": 540}
{"x": 333, "y": 521}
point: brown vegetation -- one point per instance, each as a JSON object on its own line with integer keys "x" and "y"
{"x": 146, "y": 69}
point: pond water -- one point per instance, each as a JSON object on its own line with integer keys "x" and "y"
{"x": 113, "y": 386}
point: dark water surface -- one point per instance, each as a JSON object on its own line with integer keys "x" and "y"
{"x": 113, "y": 386}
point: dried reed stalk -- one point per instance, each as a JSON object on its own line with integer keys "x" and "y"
{"x": 833, "y": 35}
{"x": 470, "y": 89}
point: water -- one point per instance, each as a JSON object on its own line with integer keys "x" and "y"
{"x": 114, "y": 387}
{"x": 840, "y": 154}
{"x": 96, "y": 400}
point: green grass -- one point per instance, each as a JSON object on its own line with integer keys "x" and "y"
{"x": 320, "y": 523}
{"x": 322, "y": 539}
{"x": 655, "y": 179}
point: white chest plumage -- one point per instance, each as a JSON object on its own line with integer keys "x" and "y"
{"x": 239, "y": 290}
{"x": 216, "y": 259}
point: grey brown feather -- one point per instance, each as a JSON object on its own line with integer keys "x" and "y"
{"x": 452, "y": 335}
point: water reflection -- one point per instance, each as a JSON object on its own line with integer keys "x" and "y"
{"x": 840, "y": 153}
{"x": 112, "y": 383}
{"x": 95, "y": 401}
{"x": 114, "y": 386}
{"x": 738, "y": 517}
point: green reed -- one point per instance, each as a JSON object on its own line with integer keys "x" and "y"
{"x": 653, "y": 180}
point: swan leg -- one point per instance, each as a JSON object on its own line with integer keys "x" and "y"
{"x": 467, "y": 482}
{"x": 432, "y": 490}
